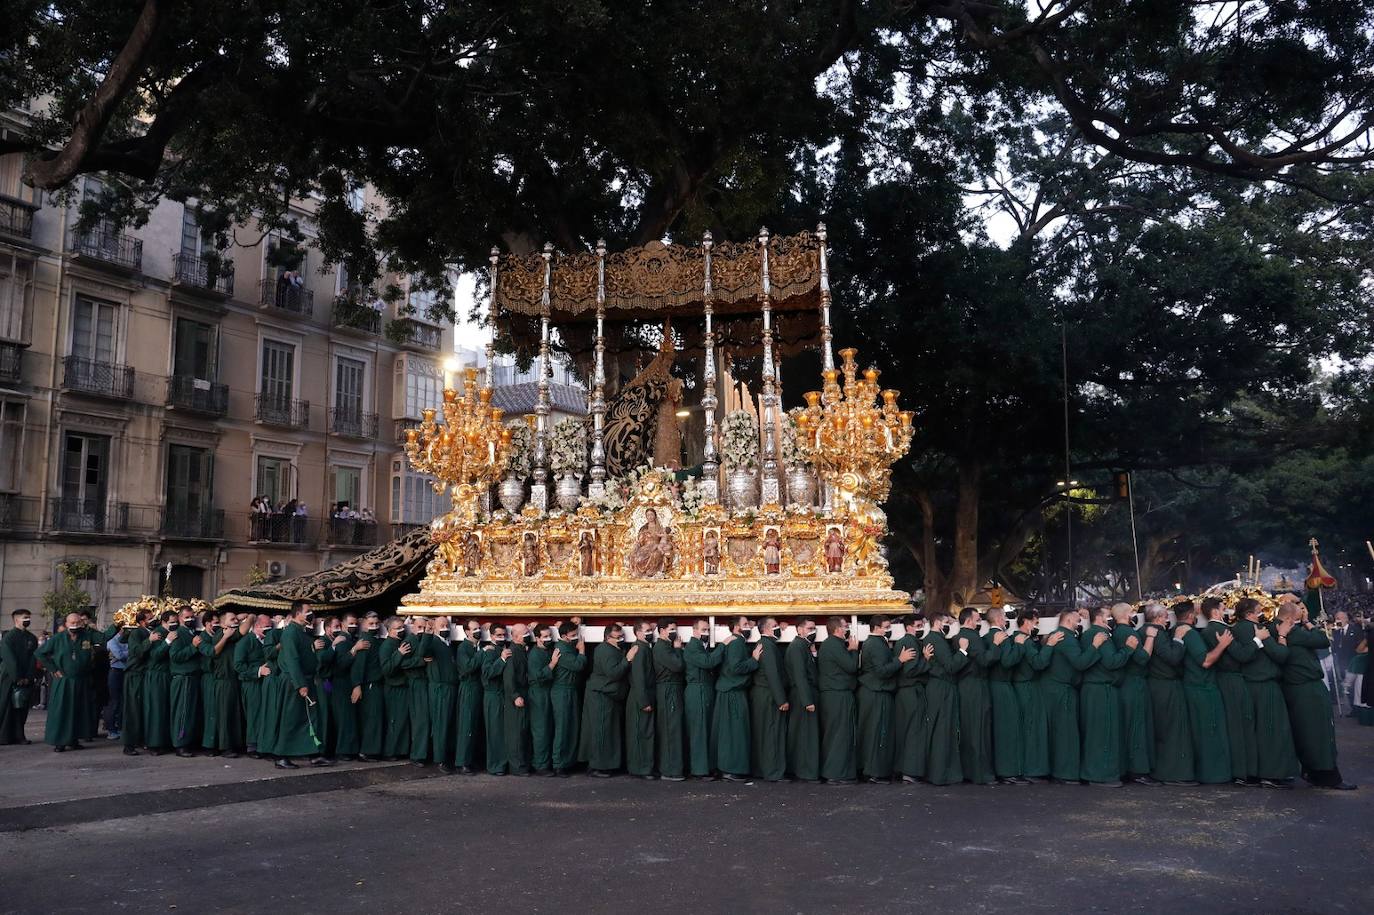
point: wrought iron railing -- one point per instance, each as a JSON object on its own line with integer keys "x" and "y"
{"x": 181, "y": 524}
{"x": 287, "y": 296}
{"x": 349, "y": 313}
{"x": 211, "y": 274}
{"x": 16, "y": 217}
{"x": 422, "y": 336}
{"x": 18, "y": 514}
{"x": 282, "y": 411}
{"x": 103, "y": 243}
{"x": 88, "y": 516}
{"x": 188, "y": 393}
{"x": 351, "y": 532}
{"x": 278, "y": 527}
{"x": 352, "y": 423}
{"x": 90, "y": 376}
{"x": 11, "y": 360}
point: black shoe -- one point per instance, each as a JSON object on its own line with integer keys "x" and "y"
{"x": 319, "y": 762}
{"x": 466, "y": 770}
{"x": 1036, "y": 779}
{"x": 561, "y": 773}
{"x": 1343, "y": 786}
{"x": 839, "y": 781}
{"x": 873, "y": 780}
{"x": 230, "y": 755}
{"x": 285, "y": 763}
{"x": 446, "y": 769}
{"x": 1062, "y": 781}
{"x": 254, "y": 754}
{"x": 598, "y": 773}
{"x": 1185, "y": 783}
{"x": 732, "y": 777}
{"x": 673, "y": 778}
{"x": 1240, "y": 783}
{"x": 1115, "y": 784}
{"x": 363, "y": 757}
{"x": 157, "y": 751}
{"x": 501, "y": 774}
{"x": 1280, "y": 783}
{"x": 130, "y": 751}
{"x": 76, "y": 745}
{"x": 184, "y": 753}
{"x": 1144, "y": 780}
{"x": 59, "y": 749}
{"x": 418, "y": 763}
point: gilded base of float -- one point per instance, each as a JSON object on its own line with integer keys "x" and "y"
{"x": 818, "y": 597}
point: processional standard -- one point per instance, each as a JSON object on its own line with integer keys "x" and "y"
{"x": 754, "y": 537}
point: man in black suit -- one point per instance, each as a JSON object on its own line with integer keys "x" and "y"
{"x": 1345, "y": 636}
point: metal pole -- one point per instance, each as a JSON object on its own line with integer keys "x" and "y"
{"x": 770, "y": 494}
{"x": 1068, "y": 472}
{"x": 710, "y": 466}
{"x": 1135, "y": 543}
{"x": 597, "y": 487}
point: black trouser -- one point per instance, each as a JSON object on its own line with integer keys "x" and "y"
{"x": 114, "y": 709}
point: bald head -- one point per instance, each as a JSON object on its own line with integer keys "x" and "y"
{"x": 1121, "y": 614}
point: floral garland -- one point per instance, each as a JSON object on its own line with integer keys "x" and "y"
{"x": 691, "y": 498}
{"x": 569, "y": 447}
{"x": 796, "y": 452}
{"x": 739, "y": 440}
{"x": 521, "y": 449}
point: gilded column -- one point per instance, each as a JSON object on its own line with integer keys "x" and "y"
{"x": 770, "y": 493}
{"x": 539, "y": 491}
{"x": 710, "y": 466}
{"x": 490, "y": 374}
{"x": 597, "y": 488}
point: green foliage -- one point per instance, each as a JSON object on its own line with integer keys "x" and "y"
{"x": 69, "y": 596}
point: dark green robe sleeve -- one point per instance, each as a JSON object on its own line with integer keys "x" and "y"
{"x": 289, "y": 658}
{"x": 771, "y": 664}
{"x": 798, "y": 658}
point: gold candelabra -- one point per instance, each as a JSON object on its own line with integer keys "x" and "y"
{"x": 854, "y": 433}
{"x": 468, "y": 451}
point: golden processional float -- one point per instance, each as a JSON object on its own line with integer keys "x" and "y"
{"x": 594, "y": 518}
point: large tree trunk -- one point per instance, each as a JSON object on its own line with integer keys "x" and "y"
{"x": 962, "y": 582}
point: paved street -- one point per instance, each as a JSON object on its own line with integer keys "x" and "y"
{"x": 578, "y": 845}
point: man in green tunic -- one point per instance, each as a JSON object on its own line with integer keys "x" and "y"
{"x": 909, "y": 707}
{"x": 515, "y": 694}
{"x": 468, "y": 733}
{"x": 183, "y": 652}
{"x": 837, "y": 676}
{"x": 369, "y": 689}
{"x": 275, "y": 689}
{"x": 975, "y": 704}
{"x": 1031, "y": 659}
{"x": 940, "y": 727}
{"x": 396, "y": 690}
{"x": 1068, "y": 658}
{"x": 1008, "y": 756}
{"x": 323, "y": 646}
{"x": 567, "y": 662}
{"x": 1235, "y": 695}
{"x": 133, "y": 734}
{"x": 1206, "y": 714}
{"x": 210, "y": 631}
{"x": 343, "y": 709}
{"x": 297, "y": 735}
{"x": 68, "y": 655}
{"x": 441, "y": 671}
{"x": 157, "y": 680}
{"x": 878, "y": 669}
{"x": 541, "y": 699}
{"x": 1174, "y": 763}
{"x": 17, "y": 669}
{"x": 768, "y": 708}
{"x": 639, "y": 705}
{"x": 1309, "y": 702}
{"x": 702, "y": 662}
{"x": 494, "y": 658}
{"x": 1276, "y": 758}
{"x": 1100, "y": 704}
{"x": 730, "y": 720}
{"x": 97, "y": 681}
{"x": 669, "y": 683}
{"x": 1137, "y": 724}
{"x": 417, "y": 691}
{"x": 603, "y": 709}
{"x": 803, "y": 720}
{"x": 249, "y": 658}
{"x": 224, "y": 731}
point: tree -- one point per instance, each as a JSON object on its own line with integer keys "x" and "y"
{"x": 68, "y": 596}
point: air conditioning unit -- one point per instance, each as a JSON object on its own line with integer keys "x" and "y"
{"x": 276, "y": 569}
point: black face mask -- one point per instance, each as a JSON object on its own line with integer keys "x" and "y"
{"x": 77, "y": 628}
{"x": 528, "y": 639}
{"x": 810, "y": 637}
{"x": 25, "y": 623}
{"x": 351, "y": 629}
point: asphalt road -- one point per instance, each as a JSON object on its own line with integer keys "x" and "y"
{"x": 529, "y": 845}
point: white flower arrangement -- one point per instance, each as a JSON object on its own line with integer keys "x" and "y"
{"x": 569, "y": 447}
{"x": 691, "y": 498}
{"x": 796, "y": 452}
{"x": 739, "y": 440}
{"x": 521, "y": 449}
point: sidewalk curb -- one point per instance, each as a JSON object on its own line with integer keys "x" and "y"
{"x": 141, "y": 803}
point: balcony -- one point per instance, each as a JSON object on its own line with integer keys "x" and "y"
{"x": 351, "y": 532}
{"x": 115, "y": 249}
{"x": 196, "y": 395}
{"x": 353, "y": 424}
{"x": 399, "y": 427}
{"x": 19, "y": 515}
{"x": 296, "y": 299}
{"x": 413, "y": 334}
{"x": 11, "y": 360}
{"x": 88, "y": 516}
{"x": 287, "y": 530}
{"x": 192, "y": 525}
{"x": 16, "y": 217}
{"x": 103, "y": 379}
{"x": 282, "y": 411}
{"x": 212, "y": 275}
{"x": 350, "y": 314}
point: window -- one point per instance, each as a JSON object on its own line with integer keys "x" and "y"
{"x": 413, "y": 499}
{"x": 278, "y": 372}
{"x": 357, "y": 198}
{"x": 274, "y": 479}
{"x": 348, "y": 389}
{"x": 422, "y": 301}
{"x": 12, "y": 176}
{"x": 15, "y": 277}
{"x": 185, "y": 581}
{"x": 195, "y": 241}
{"x": 85, "y": 481}
{"x": 11, "y": 444}
{"x": 188, "y": 482}
{"x": 93, "y": 329}
{"x": 419, "y": 386}
{"x": 193, "y": 353}
{"x": 348, "y": 487}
